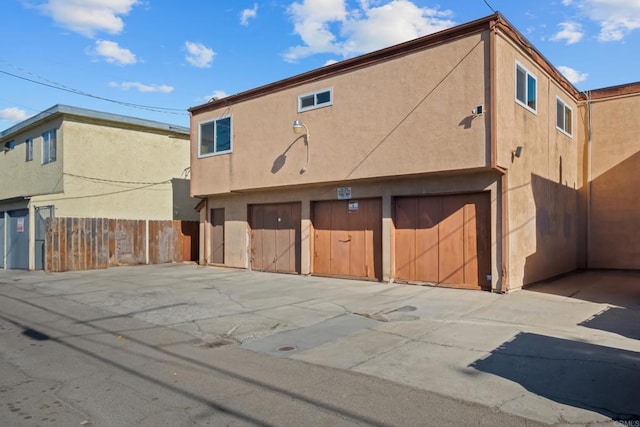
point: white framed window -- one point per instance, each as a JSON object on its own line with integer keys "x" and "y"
{"x": 317, "y": 99}
{"x": 526, "y": 88}
{"x": 49, "y": 146}
{"x": 564, "y": 117}
{"x": 29, "y": 145}
{"x": 214, "y": 137}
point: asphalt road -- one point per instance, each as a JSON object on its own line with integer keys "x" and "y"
{"x": 66, "y": 363}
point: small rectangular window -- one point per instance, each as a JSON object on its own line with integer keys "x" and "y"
{"x": 29, "y": 145}
{"x": 49, "y": 146}
{"x": 215, "y": 137}
{"x": 564, "y": 117}
{"x": 318, "y": 99}
{"x": 526, "y": 88}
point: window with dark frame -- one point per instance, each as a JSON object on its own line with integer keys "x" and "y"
{"x": 215, "y": 137}
{"x": 49, "y": 146}
{"x": 29, "y": 146}
{"x": 526, "y": 88}
{"x": 564, "y": 117}
{"x": 318, "y": 99}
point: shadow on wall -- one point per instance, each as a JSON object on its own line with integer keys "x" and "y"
{"x": 592, "y": 377}
{"x": 184, "y": 206}
{"x": 557, "y": 226}
{"x": 615, "y": 217}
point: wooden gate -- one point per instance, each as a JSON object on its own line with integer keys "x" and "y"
{"x": 347, "y": 238}
{"x": 444, "y": 239}
{"x": 275, "y": 237}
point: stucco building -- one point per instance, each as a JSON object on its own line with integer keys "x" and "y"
{"x": 74, "y": 162}
{"x": 462, "y": 158}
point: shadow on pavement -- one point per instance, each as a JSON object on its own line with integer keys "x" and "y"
{"x": 592, "y": 377}
{"x": 618, "y": 320}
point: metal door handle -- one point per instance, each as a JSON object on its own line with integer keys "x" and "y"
{"x": 345, "y": 241}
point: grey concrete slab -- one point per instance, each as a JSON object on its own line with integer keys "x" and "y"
{"x": 562, "y": 352}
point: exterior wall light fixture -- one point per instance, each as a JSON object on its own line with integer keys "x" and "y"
{"x": 300, "y": 128}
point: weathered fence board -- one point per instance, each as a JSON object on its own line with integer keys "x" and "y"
{"x": 91, "y": 243}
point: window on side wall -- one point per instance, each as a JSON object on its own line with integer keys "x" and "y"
{"x": 49, "y": 146}
{"x": 526, "y": 88}
{"x": 215, "y": 137}
{"x": 564, "y": 117}
{"x": 313, "y": 100}
{"x": 29, "y": 144}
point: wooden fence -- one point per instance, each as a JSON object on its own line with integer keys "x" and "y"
{"x": 92, "y": 243}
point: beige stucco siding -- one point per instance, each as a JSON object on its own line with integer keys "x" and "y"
{"x": 117, "y": 172}
{"x": 22, "y": 178}
{"x": 544, "y": 181}
{"x": 407, "y": 115}
{"x": 614, "y": 239}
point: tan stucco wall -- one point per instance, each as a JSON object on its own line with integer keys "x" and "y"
{"x": 407, "y": 115}
{"x": 614, "y": 233}
{"x": 22, "y": 178}
{"x": 237, "y": 232}
{"x": 116, "y": 172}
{"x": 544, "y": 182}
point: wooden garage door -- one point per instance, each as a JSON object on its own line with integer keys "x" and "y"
{"x": 347, "y": 238}
{"x": 444, "y": 239}
{"x": 275, "y": 237}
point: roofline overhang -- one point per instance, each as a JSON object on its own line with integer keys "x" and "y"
{"x": 59, "y": 110}
{"x": 490, "y": 22}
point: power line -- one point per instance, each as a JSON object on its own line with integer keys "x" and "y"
{"x": 489, "y": 6}
{"x": 55, "y": 85}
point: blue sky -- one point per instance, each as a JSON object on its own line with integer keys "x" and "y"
{"x": 170, "y": 55}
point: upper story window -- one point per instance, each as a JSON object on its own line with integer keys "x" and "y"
{"x": 564, "y": 117}
{"x": 526, "y": 88}
{"x": 29, "y": 144}
{"x": 215, "y": 137}
{"x": 49, "y": 146}
{"x": 318, "y": 99}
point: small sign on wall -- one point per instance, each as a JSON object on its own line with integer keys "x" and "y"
{"x": 20, "y": 225}
{"x": 353, "y": 206}
{"x": 344, "y": 193}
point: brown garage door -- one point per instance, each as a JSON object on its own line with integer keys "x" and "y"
{"x": 347, "y": 238}
{"x": 275, "y": 237}
{"x": 444, "y": 239}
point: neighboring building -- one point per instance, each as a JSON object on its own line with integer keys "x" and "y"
{"x": 73, "y": 162}
{"x": 461, "y": 158}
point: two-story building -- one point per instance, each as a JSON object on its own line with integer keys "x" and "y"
{"x": 73, "y": 162}
{"x": 461, "y": 158}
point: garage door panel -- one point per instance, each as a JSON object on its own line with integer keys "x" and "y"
{"x": 339, "y": 239}
{"x": 353, "y": 238}
{"x": 427, "y": 259}
{"x": 452, "y": 239}
{"x": 451, "y": 253}
{"x": 322, "y": 238}
{"x": 275, "y": 237}
{"x": 405, "y": 237}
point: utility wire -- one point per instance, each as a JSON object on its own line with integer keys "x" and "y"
{"x": 489, "y": 6}
{"x": 55, "y": 85}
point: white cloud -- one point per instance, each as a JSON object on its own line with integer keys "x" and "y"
{"x": 571, "y": 32}
{"x": 330, "y": 62}
{"x": 327, "y": 26}
{"x": 616, "y": 17}
{"x": 572, "y": 75}
{"x": 199, "y": 55}
{"x": 13, "y": 114}
{"x": 141, "y": 87}
{"x": 247, "y": 14}
{"x": 217, "y": 94}
{"x": 112, "y": 53}
{"x": 88, "y": 17}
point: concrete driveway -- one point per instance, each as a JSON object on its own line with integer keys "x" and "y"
{"x": 563, "y": 352}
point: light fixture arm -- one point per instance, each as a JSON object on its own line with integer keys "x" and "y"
{"x": 298, "y": 127}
